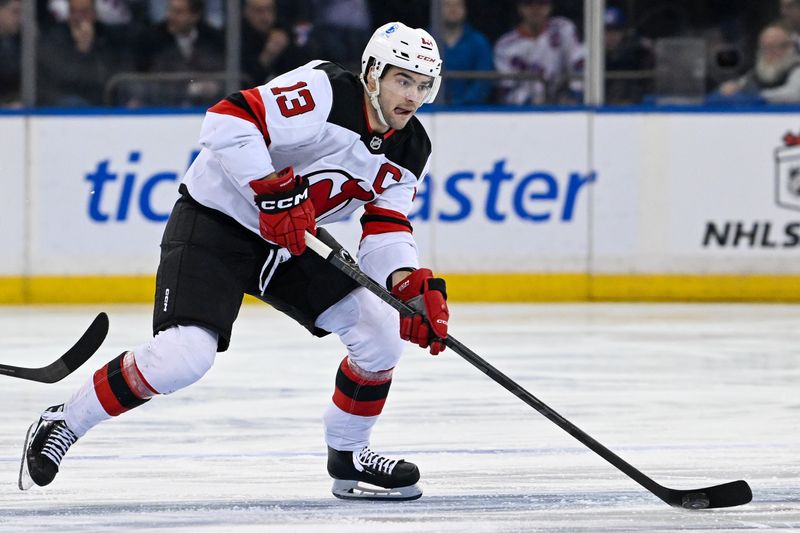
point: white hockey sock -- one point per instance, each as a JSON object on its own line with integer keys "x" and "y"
{"x": 346, "y": 431}
{"x": 83, "y": 410}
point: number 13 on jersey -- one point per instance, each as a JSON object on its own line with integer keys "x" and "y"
{"x": 291, "y": 107}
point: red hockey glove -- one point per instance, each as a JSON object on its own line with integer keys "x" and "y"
{"x": 286, "y": 212}
{"x": 427, "y": 296}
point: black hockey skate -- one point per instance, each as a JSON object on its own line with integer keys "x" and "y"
{"x": 366, "y": 475}
{"x": 45, "y": 445}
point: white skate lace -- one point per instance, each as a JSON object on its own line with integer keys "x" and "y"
{"x": 58, "y": 442}
{"x": 369, "y": 459}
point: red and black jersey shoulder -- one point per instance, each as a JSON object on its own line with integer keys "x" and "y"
{"x": 409, "y": 148}
{"x": 246, "y": 105}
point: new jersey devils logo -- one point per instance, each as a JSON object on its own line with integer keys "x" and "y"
{"x": 331, "y": 190}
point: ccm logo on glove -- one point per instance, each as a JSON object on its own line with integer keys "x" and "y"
{"x": 283, "y": 204}
{"x": 285, "y": 213}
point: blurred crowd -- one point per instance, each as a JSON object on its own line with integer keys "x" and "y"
{"x": 135, "y": 53}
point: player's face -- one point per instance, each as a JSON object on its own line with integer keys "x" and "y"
{"x": 402, "y": 92}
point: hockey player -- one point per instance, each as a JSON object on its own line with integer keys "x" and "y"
{"x": 308, "y": 148}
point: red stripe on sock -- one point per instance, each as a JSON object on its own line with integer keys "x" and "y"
{"x": 349, "y": 405}
{"x": 104, "y": 393}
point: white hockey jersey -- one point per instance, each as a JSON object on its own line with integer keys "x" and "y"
{"x": 314, "y": 119}
{"x": 556, "y": 56}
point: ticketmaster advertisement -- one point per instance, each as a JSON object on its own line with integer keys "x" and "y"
{"x": 580, "y": 194}
{"x": 102, "y": 189}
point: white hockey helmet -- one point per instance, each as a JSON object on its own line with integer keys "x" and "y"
{"x": 413, "y": 49}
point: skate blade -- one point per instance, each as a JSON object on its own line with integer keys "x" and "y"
{"x": 355, "y": 490}
{"x": 25, "y": 481}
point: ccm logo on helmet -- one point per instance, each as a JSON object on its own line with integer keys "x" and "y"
{"x": 426, "y": 58}
{"x": 273, "y": 205}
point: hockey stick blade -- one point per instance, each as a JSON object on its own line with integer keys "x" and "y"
{"x": 62, "y": 367}
{"x": 725, "y": 495}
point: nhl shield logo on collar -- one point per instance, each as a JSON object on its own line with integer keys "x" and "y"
{"x": 376, "y": 143}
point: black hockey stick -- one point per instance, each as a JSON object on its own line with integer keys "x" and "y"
{"x": 725, "y": 495}
{"x": 62, "y": 367}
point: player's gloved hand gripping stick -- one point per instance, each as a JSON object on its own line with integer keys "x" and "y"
{"x": 428, "y": 297}
{"x": 286, "y": 212}
{"x": 725, "y": 495}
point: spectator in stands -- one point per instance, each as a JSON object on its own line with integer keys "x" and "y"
{"x": 114, "y": 13}
{"x": 213, "y": 12}
{"x": 625, "y": 51}
{"x": 463, "y": 49}
{"x": 790, "y": 15}
{"x": 341, "y": 30}
{"x": 10, "y": 53}
{"x": 775, "y": 77}
{"x": 542, "y": 46}
{"x": 267, "y": 49}
{"x": 76, "y": 59}
{"x": 183, "y": 42}
{"x": 130, "y": 16}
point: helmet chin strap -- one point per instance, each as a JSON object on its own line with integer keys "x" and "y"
{"x": 373, "y": 99}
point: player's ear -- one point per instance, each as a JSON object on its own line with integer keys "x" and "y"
{"x": 372, "y": 78}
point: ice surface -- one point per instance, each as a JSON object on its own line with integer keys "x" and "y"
{"x": 692, "y": 395}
